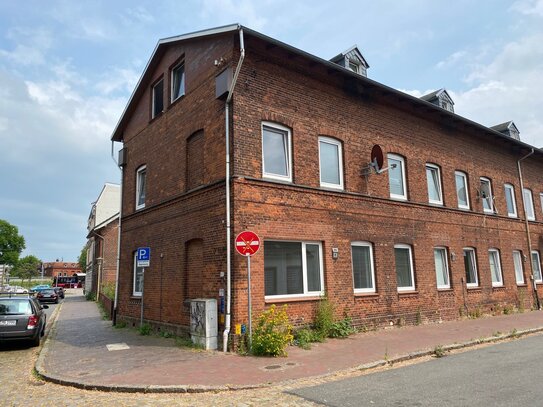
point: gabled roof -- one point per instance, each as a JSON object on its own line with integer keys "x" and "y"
{"x": 368, "y": 84}
{"x": 436, "y": 94}
{"x": 353, "y": 51}
{"x": 504, "y": 126}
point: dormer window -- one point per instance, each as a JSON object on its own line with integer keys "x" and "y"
{"x": 353, "y": 60}
{"x": 353, "y": 66}
{"x": 440, "y": 98}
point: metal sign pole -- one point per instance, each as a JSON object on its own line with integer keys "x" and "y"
{"x": 249, "y": 302}
{"x": 142, "y": 291}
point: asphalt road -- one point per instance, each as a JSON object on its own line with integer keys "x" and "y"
{"x": 507, "y": 374}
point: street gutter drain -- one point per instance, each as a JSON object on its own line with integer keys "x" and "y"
{"x": 271, "y": 367}
{"x": 117, "y": 346}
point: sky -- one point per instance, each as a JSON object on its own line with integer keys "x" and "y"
{"x": 67, "y": 69}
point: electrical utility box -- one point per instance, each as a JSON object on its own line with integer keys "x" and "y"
{"x": 203, "y": 322}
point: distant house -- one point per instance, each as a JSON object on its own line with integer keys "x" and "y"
{"x": 102, "y": 235}
{"x": 60, "y": 269}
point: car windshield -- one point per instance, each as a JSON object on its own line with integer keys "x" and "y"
{"x": 47, "y": 291}
{"x": 14, "y": 306}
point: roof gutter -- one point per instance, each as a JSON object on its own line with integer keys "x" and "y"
{"x": 527, "y": 224}
{"x": 227, "y": 322}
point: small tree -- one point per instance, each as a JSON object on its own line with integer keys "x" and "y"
{"x": 27, "y": 267}
{"x": 11, "y": 243}
{"x": 82, "y": 259}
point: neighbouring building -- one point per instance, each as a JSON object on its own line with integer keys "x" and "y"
{"x": 60, "y": 269}
{"x": 102, "y": 239}
{"x": 394, "y": 206}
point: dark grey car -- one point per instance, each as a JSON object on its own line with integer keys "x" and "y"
{"x": 21, "y": 318}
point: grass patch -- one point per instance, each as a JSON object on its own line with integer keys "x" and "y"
{"x": 439, "y": 352}
{"x": 120, "y": 325}
{"x": 145, "y": 329}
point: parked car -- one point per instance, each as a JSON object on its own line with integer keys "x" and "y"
{"x": 47, "y": 295}
{"x": 17, "y": 289}
{"x": 21, "y": 318}
{"x": 39, "y": 287}
{"x": 59, "y": 291}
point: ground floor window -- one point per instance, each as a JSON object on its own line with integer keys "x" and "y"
{"x": 536, "y": 264}
{"x": 363, "y": 273}
{"x": 495, "y": 268}
{"x": 404, "y": 267}
{"x": 293, "y": 268}
{"x": 517, "y": 260}
{"x": 470, "y": 266}
{"x": 138, "y": 278}
{"x": 442, "y": 267}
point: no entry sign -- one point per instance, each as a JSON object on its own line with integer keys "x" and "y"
{"x": 247, "y": 243}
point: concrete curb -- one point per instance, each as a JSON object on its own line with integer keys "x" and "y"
{"x": 40, "y": 362}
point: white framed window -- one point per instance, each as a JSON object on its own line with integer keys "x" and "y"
{"x": 141, "y": 185}
{"x": 396, "y": 177}
{"x": 470, "y": 266}
{"x": 137, "y": 286}
{"x": 178, "y": 81}
{"x": 485, "y": 192}
{"x": 433, "y": 178}
{"x": 536, "y": 266}
{"x": 293, "y": 269}
{"x": 510, "y": 200}
{"x": 461, "y": 180}
{"x": 157, "y": 98}
{"x": 442, "y": 268}
{"x": 330, "y": 163}
{"x": 405, "y": 275}
{"x": 363, "y": 269}
{"x": 517, "y": 261}
{"x": 276, "y": 152}
{"x": 495, "y": 267}
{"x": 528, "y": 204}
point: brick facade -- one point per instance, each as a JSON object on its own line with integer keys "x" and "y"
{"x": 60, "y": 268}
{"x": 184, "y": 214}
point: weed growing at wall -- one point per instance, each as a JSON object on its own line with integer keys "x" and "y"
{"x": 272, "y": 333}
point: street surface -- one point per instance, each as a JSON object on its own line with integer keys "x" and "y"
{"x": 506, "y": 374}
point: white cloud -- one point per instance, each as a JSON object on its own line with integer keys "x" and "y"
{"x": 529, "y": 7}
{"x": 228, "y": 11}
{"x": 31, "y": 45}
{"x": 451, "y": 60}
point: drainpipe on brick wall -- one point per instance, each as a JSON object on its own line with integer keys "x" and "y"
{"x": 115, "y": 301}
{"x": 528, "y": 226}
{"x": 227, "y": 321}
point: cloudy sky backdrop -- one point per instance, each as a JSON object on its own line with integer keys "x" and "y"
{"x": 67, "y": 69}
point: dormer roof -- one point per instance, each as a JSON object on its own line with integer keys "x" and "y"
{"x": 440, "y": 98}
{"x": 352, "y": 56}
{"x": 509, "y": 129}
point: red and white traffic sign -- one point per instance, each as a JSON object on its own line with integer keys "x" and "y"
{"x": 247, "y": 243}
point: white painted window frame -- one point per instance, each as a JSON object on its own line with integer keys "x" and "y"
{"x": 332, "y": 141}
{"x": 172, "y": 81}
{"x": 404, "y": 182}
{"x": 538, "y": 263}
{"x": 282, "y": 129}
{"x": 306, "y": 293}
{"x": 412, "y": 270}
{"x": 473, "y": 255}
{"x": 153, "y": 98}
{"x": 511, "y": 189}
{"x": 434, "y": 167}
{"x": 446, "y": 257}
{"x": 517, "y": 254}
{"x": 465, "y": 178}
{"x": 141, "y": 169}
{"x": 491, "y": 198}
{"x": 528, "y": 199}
{"x": 497, "y": 263}
{"x": 370, "y": 246}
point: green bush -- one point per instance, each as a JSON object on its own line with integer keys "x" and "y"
{"x": 272, "y": 333}
{"x": 145, "y": 329}
{"x": 90, "y": 296}
{"x": 342, "y": 329}
{"x": 108, "y": 289}
{"x": 324, "y": 318}
{"x": 303, "y": 338}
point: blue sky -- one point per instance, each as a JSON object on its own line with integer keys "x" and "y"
{"x": 68, "y": 68}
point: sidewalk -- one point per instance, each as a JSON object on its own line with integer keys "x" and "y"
{"x": 75, "y": 353}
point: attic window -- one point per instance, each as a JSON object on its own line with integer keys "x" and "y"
{"x": 178, "y": 81}
{"x": 446, "y": 105}
{"x": 354, "y": 66}
{"x": 158, "y": 98}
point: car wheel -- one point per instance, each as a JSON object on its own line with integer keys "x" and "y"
{"x": 36, "y": 341}
{"x": 56, "y": 301}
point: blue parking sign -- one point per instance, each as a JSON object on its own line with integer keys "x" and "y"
{"x": 143, "y": 256}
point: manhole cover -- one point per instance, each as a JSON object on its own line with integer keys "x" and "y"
{"x": 271, "y": 367}
{"x": 117, "y": 346}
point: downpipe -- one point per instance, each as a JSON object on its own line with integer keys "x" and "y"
{"x": 227, "y": 322}
{"x": 115, "y": 301}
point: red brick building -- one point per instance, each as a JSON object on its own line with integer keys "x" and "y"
{"x": 441, "y": 231}
{"x": 60, "y": 268}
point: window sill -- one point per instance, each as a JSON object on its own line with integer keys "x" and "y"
{"x": 498, "y": 287}
{"x": 291, "y": 299}
{"x": 156, "y": 117}
{"x": 522, "y": 285}
{"x": 474, "y": 289}
{"x": 133, "y": 297}
{"x": 445, "y": 290}
{"x": 175, "y": 101}
{"x": 366, "y": 295}
{"x": 408, "y": 293}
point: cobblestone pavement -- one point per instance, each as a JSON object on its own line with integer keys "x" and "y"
{"x": 19, "y": 387}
